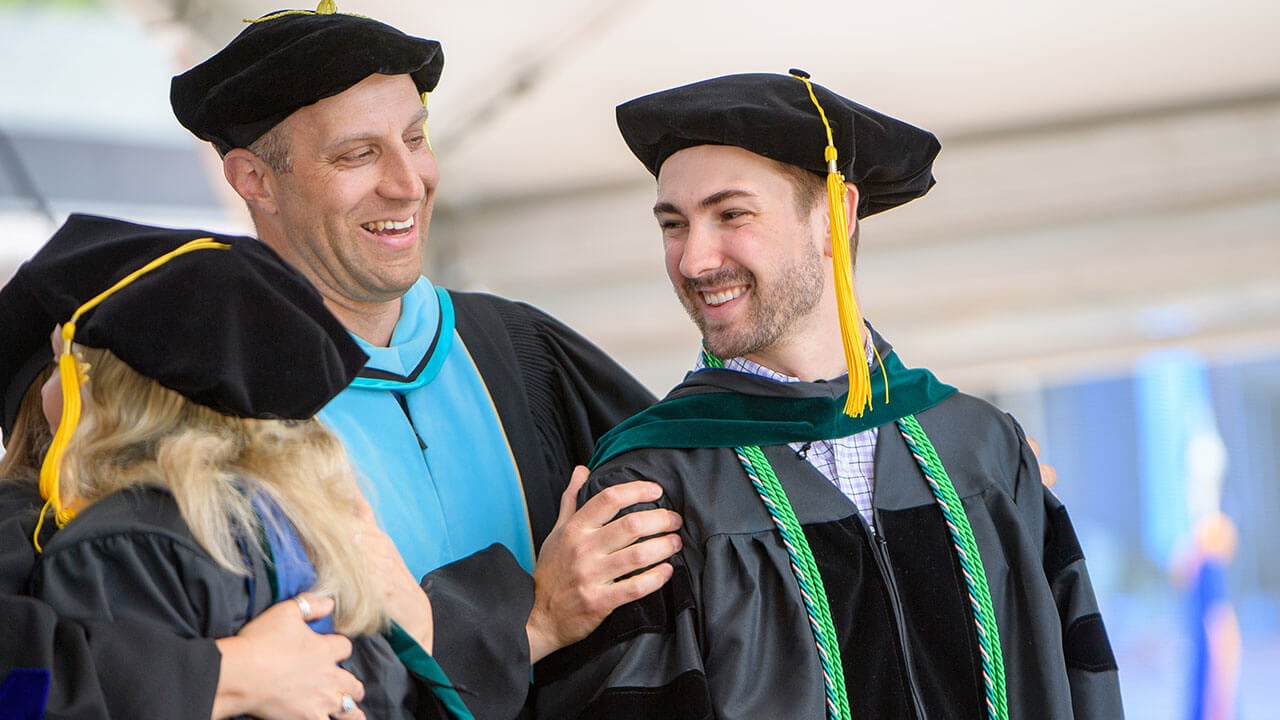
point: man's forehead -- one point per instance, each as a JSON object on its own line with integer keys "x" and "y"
{"x": 374, "y": 105}
{"x": 697, "y": 173}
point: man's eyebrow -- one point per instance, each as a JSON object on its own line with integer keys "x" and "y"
{"x": 418, "y": 118}
{"x": 709, "y": 201}
{"x": 415, "y": 122}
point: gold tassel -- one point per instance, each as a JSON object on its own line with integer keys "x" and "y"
{"x": 851, "y": 326}
{"x": 73, "y": 373}
{"x": 69, "y": 372}
{"x": 855, "y": 354}
{"x": 326, "y": 7}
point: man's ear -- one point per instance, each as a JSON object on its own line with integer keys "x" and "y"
{"x": 850, "y": 212}
{"x": 850, "y": 205}
{"x": 251, "y": 178}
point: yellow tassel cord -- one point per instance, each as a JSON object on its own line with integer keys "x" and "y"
{"x": 73, "y": 374}
{"x": 851, "y": 325}
{"x": 326, "y": 7}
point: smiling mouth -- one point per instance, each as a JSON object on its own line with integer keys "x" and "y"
{"x": 721, "y": 297}
{"x": 390, "y": 227}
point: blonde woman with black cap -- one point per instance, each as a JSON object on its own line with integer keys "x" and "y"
{"x": 275, "y": 667}
{"x": 193, "y": 484}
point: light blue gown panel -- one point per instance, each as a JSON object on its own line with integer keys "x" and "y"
{"x": 441, "y": 479}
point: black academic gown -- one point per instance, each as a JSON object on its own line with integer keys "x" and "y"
{"x": 555, "y": 393}
{"x": 98, "y": 670}
{"x": 130, "y": 558}
{"x": 728, "y": 637}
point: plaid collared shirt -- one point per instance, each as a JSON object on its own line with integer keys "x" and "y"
{"x": 848, "y": 462}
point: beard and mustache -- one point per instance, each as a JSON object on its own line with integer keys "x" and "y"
{"x": 772, "y": 309}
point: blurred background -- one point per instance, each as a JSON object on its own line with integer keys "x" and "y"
{"x": 1100, "y": 257}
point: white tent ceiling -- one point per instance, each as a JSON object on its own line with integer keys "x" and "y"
{"x": 1110, "y": 179}
{"x": 526, "y": 101}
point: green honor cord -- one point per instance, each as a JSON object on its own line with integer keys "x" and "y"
{"x": 805, "y": 569}
{"x": 975, "y": 577}
{"x": 812, "y": 591}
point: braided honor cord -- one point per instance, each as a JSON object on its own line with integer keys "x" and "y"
{"x": 803, "y": 567}
{"x": 975, "y": 578}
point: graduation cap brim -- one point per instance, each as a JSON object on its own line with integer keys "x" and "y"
{"x": 20, "y": 374}
{"x": 237, "y": 330}
{"x": 772, "y": 115}
{"x": 289, "y": 60}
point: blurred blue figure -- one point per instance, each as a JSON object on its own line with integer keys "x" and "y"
{"x": 1214, "y": 630}
{"x": 1184, "y": 463}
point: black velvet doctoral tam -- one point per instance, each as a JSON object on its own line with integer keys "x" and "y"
{"x": 236, "y": 329}
{"x": 772, "y": 115}
{"x": 287, "y": 60}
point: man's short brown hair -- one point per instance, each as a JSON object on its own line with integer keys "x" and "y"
{"x": 810, "y": 189}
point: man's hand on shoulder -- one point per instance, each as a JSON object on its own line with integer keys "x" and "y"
{"x": 1048, "y": 474}
{"x": 576, "y": 578}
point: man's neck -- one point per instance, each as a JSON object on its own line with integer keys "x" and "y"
{"x": 811, "y": 353}
{"x": 805, "y": 367}
{"x": 372, "y": 322}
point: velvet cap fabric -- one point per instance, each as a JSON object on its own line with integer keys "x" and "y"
{"x": 237, "y": 330}
{"x": 278, "y": 65}
{"x": 15, "y": 384}
{"x": 772, "y": 115}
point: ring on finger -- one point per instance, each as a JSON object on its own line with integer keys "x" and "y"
{"x": 303, "y": 605}
{"x": 348, "y": 703}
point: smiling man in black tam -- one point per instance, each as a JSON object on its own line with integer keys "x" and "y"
{"x": 473, "y": 411}
{"x": 860, "y": 539}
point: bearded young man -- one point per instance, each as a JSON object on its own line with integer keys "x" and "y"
{"x": 860, "y": 540}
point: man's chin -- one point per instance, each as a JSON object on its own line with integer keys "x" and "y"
{"x": 720, "y": 346}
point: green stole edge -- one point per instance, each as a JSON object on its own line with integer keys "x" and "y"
{"x": 421, "y": 663}
{"x": 726, "y": 419}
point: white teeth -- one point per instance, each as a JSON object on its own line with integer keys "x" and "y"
{"x": 722, "y": 297}
{"x": 381, "y": 225}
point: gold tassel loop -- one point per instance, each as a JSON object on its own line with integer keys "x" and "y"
{"x": 326, "y": 7}
{"x": 851, "y": 326}
{"x": 72, "y": 373}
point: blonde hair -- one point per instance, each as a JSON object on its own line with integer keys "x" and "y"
{"x": 30, "y": 436}
{"x": 136, "y": 432}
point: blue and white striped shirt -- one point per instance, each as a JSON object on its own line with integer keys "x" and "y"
{"x": 848, "y": 462}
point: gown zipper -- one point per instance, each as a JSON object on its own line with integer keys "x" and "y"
{"x": 880, "y": 550}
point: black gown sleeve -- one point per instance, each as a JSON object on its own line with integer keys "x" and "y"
{"x": 646, "y": 660}
{"x": 481, "y": 604}
{"x": 1091, "y": 665}
{"x": 96, "y": 668}
{"x": 143, "y": 598}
